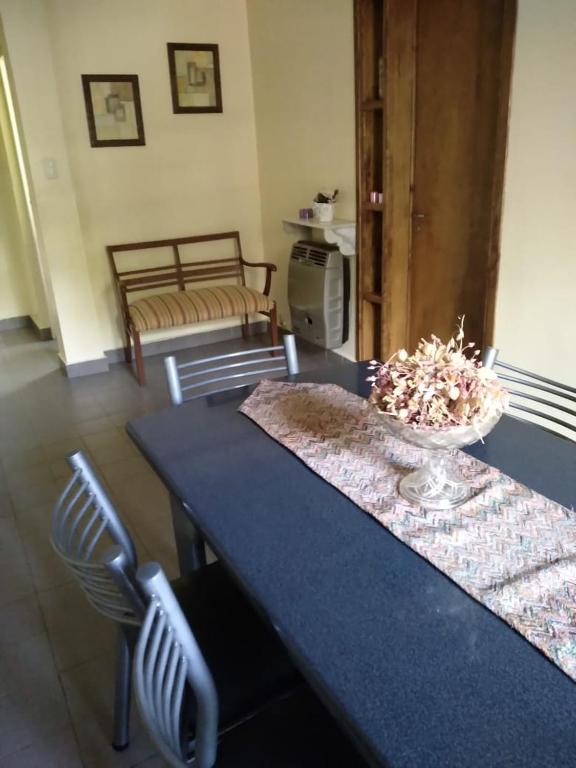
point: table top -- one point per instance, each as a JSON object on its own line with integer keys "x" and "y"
{"x": 420, "y": 673}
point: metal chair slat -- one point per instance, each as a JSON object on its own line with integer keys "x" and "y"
{"x": 243, "y": 364}
{"x": 533, "y": 387}
{"x": 165, "y": 626}
{"x": 233, "y": 376}
{"x": 178, "y": 373}
{"x": 83, "y": 521}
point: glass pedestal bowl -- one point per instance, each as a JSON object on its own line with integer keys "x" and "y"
{"x": 437, "y": 484}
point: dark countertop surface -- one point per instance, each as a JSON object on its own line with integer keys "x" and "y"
{"x": 420, "y": 673}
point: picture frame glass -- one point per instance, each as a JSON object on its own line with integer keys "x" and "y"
{"x": 196, "y": 78}
{"x": 114, "y": 109}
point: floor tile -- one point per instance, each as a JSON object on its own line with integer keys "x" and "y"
{"x": 25, "y": 477}
{"x": 32, "y": 704}
{"x": 117, "y": 473}
{"x": 58, "y": 449}
{"x": 77, "y": 631}
{"x": 114, "y": 452}
{"x": 49, "y": 634}
{"x": 34, "y": 496}
{"x": 94, "y": 425}
{"x": 15, "y": 576}
{"x": 152, "y": 762}
{"x": 47, "y": 568}
{"x": 20, "y": 620}
{"x": 20, "y": 459}
{"x": 34, "y": 515}
{"x": 6, "y": 507}
{"x": 109, "y": 437}
{"x": 57, "y": 749}
{"x": 89, "y": 692}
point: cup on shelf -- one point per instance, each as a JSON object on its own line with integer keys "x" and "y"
{"x": 324, "y": 212}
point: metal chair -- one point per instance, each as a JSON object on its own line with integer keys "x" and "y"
{"x": 84, "y": 525}
{"x": 178, "y": 701}
{"x": 552, "y": 396}
{"x": 234, "y": 370}
{"x": 249, "y": 662}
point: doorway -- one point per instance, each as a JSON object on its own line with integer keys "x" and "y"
{"x": 23, "y": 296}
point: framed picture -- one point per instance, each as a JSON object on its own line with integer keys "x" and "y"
{"x": 195, "y": 77}
{"x": 113, "y": 110}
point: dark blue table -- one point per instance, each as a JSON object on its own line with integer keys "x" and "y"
{"x": 421, "y": 674}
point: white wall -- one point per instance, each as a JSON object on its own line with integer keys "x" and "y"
{"x": 303, "y": 68}
{"x": 536, "y": 305}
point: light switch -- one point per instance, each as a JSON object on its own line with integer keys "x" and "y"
{"x": 50, "y": 168}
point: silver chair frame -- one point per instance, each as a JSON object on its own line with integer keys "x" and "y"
{"x": 230, "y": 375}
{"x": 167, "y": 656}
{"x": 84, "y": 518}
{"x": 536, "y": 382}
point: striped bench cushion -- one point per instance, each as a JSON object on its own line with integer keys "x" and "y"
{"x": 169, "y": 310}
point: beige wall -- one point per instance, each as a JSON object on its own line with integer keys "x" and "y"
{"x": 15, "y": 299}
{"x": 536, "y": 305}
{"x": 197, "y": 173}
{"x": 61, "y": 247}
{"x": 206, "y": 172}
{"x": 303, "y": 69}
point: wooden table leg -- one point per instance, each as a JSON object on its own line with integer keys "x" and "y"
{"x": 189, "y": 542}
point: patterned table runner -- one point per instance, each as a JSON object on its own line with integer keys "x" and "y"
{"x": 510, "y": 548}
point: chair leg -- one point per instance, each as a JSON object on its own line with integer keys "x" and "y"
{"x": 140, "y": 375}
{"x": 274, "y": 329}
{"x": 245, "y": 327}
{"x": 128, "y": 347}
{"x": 122, "y": 693}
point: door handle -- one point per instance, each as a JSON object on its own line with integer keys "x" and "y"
{"x": 418, "y": 215}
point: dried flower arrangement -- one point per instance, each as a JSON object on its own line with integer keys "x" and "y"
{"x": 326, "y": 197}
{"x": 439, "y": 386}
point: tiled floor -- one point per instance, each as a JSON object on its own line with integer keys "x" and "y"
{"x": 56, "y": 652}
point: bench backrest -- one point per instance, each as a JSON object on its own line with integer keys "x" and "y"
{"x": 179, "y": 273}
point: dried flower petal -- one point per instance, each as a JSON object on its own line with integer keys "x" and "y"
{"x": 439, "y": 385}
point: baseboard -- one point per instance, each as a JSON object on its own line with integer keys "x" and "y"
{"x": 85, "y": 368}
{"x": 43, "y": 334}
{"x": 168, "y": 346}
{"x": 164, "y": 347}
{"x": 13, "y": 323}
{"x": 25, "y": 321}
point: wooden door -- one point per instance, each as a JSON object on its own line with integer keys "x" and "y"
{"x": 457, "y": 178}
{"x": 434, "y": 135}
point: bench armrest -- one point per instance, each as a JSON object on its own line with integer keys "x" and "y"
{"x": 269, "y": 269}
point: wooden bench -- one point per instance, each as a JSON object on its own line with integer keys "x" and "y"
{"x": 185, "y": 306}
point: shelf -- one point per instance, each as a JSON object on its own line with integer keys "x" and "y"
{"x": 340, "y": 232}
{"x": 372, "y": 298}
{"x": 372, "y": 105}
{"x": 373, "y": 207}
{"x": 315, "y": 224}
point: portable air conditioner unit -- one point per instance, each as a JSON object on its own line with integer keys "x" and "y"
{"x": 319, "y": 293}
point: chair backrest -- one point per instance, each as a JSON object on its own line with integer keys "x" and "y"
{"x": 85, "y": 525}
{"x": 211, "y": 375}
{"x": 178, "y": 273}
{"x": 543, "y": 399}
{"x": 166, "y": 662}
